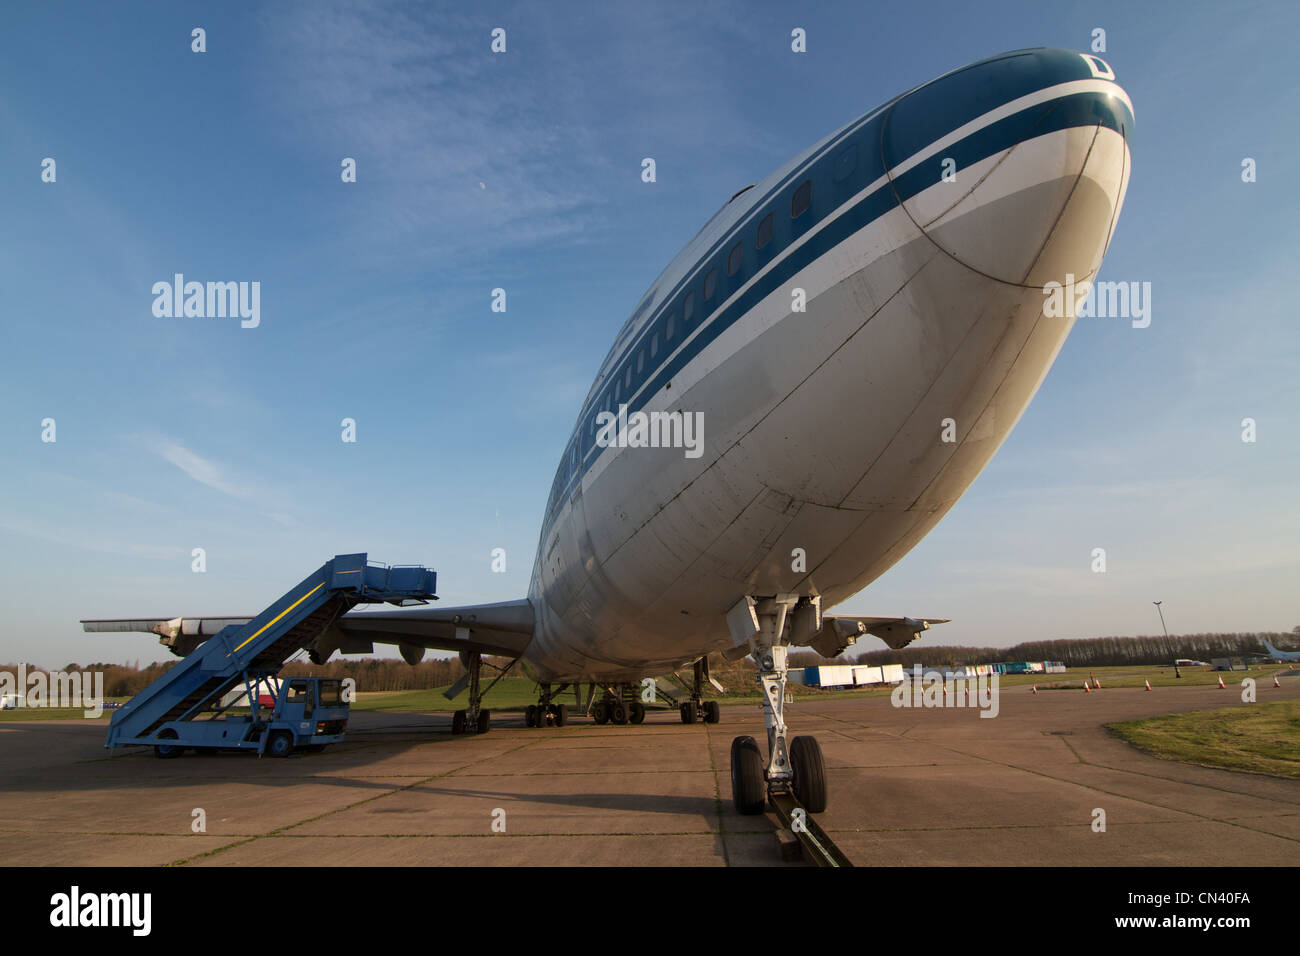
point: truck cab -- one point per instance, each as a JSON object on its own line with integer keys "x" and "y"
{"x": 308, "y": 712}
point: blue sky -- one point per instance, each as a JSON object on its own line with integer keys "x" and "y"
{"x": 522, "y": 171}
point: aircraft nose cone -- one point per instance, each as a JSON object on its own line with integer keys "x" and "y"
{"x": 1030, "y": 190}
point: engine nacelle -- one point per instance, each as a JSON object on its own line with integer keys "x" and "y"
{"x": 411, "y": 653}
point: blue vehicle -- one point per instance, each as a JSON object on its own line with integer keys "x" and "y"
{"x": 308, "y": 712}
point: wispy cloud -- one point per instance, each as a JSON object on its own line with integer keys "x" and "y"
{"x": 200, "y": 469}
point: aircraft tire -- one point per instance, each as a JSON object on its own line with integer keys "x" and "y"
{"x": 748, "y": 791}
{"x": 636, "y": 713}
{"x": 600, "y": 712}
{"x": 618, "y": 712}
{"x": 809, "y": 773}
{"x": 458, "y": 722}
{"x": 711, "y": 712}
{"x": 484, "y": 721}
{"x": 561, "y": 715}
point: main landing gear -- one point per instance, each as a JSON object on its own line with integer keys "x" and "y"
{"x": 798, "y": 767}
{"x": 620, "y": 705}
{"x": 697, "y": 708}
{"x": 546, "y": 712}
{"x": 475, "y": 719}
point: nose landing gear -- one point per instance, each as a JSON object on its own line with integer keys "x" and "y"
{"x": 798, "y": 767}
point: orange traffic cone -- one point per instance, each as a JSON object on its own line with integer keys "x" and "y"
{"x": 1096, "y": 684}
{"x": 1085, "y": 688}
{"x": 1148, "y": 683}
{"x": 1036, "y": 686}
{"x": 1222, "y": 685}
{"x": 1276, "y": 682}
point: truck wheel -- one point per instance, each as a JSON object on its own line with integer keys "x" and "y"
{"x": 168, "y": 751}
{"x": 280, "y": 744}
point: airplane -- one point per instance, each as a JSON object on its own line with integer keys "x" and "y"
{"x": 799, "y": 397}
{"x": 1277, "y": 655}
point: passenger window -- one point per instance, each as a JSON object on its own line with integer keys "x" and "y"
{"x": 654, "y": 344}
{"x": 627, "y": 379}
{"x": 640, "y": 361}
{"x": 765, "y": 231}
{"x": 668, "y": 329}
{"x": 688, "y": 308}
{"x": 710, "y": 284}
{"x": 736, "y": 259}
{"x": 801, "y": 200}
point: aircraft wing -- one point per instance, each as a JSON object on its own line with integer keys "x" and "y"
{"x": 179, "y": 634}
{"x": 840, "y": 630}
{"x": 504, "y": 629}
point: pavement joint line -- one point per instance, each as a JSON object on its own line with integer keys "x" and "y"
{"x": 717, "y": 797}
{"x": 320, "y": 816}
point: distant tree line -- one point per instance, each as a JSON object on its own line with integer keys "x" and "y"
{"x": 388, "y": 674}
{"x": 1088, "y": 652}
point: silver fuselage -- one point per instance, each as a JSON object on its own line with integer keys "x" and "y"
{"x": 835, "y": 435}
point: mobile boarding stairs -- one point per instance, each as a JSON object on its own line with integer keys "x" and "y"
{"x": 183, "y": 707}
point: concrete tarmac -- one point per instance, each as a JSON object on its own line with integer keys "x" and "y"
{"x": 907, "y": 787}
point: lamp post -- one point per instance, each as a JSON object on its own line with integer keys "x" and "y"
{"x": 1166, "y": 630}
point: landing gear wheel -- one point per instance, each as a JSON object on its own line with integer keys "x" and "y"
{"x": 711, "y": 715}
{"x": 636, "y": 713}
{"x": 484, "y": 721}
{"x": 618, "y": 712}
{"x": 530, "y": 715}
{"x": 688, "y": 712}
{"x": 167, "y": 751}
{"x": 458, "y": 722}
{"x": 748, "y": 792}
{"x": 809, "y": 773}
{"x": 600, "y": 712}
{"x": 279, "y": 745}
{"x": 561, "y": 715}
